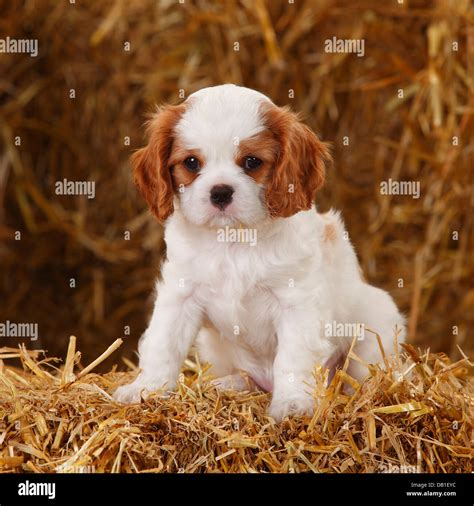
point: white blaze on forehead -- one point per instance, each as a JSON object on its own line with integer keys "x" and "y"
{"x": 218, "y": 116}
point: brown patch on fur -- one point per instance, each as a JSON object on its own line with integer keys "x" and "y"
{"x": 263, "y": 146}
{"x": 330, "y": 233}
{"x": 180, "y": 175}
{"x": 300, "y": 166}
{"x": 150, "y": 164}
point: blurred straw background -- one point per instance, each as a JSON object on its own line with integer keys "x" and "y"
{"x": 121, "y": 58}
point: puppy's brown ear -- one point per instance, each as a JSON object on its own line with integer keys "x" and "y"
{"x": 300, "y": 166}
{"x": 150, "y": 164}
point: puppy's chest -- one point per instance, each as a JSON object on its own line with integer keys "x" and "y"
{"x": 239, "y": 302}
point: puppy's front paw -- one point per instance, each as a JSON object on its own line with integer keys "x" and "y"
{"x": 128, "y": 394}
{"x": 297, "y": 403}
{"x": 134, "y": 392}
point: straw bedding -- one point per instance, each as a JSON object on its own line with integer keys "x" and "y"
{"x": 417, "y": 415}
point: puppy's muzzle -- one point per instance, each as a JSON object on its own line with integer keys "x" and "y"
{"x": 221, "y": 195}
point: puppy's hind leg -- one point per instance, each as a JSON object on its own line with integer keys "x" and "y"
{"x": 238, "y": 381}
{"x": 213, "y": 348}
{"x": 378, "y": 312}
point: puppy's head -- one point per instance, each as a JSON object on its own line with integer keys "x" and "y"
{"x": 229, "y": 156}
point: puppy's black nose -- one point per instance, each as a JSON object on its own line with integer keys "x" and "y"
{"x": 221, "y": 195}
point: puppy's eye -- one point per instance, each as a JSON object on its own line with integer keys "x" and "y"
{"x": 251, "y": 162}
{"x": 192, "y": 163}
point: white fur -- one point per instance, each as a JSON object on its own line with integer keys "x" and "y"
{"x": 259, "y": 308}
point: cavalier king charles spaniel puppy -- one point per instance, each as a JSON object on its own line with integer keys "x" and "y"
{"x": 254, "y": 275}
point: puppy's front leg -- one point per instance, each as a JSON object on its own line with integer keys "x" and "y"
{"x": 301, "y": 346}
{"x": 174, "y": 324}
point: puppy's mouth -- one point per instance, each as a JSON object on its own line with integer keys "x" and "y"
{"x": 234, "y": 215}
{"x": 221, "y": 218}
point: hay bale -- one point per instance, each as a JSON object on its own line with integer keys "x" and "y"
{"x": 415, "y": 416}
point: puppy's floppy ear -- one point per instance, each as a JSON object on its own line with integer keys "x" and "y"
{"x": 150, "y": 164}
{"x": 300, "y": 165}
